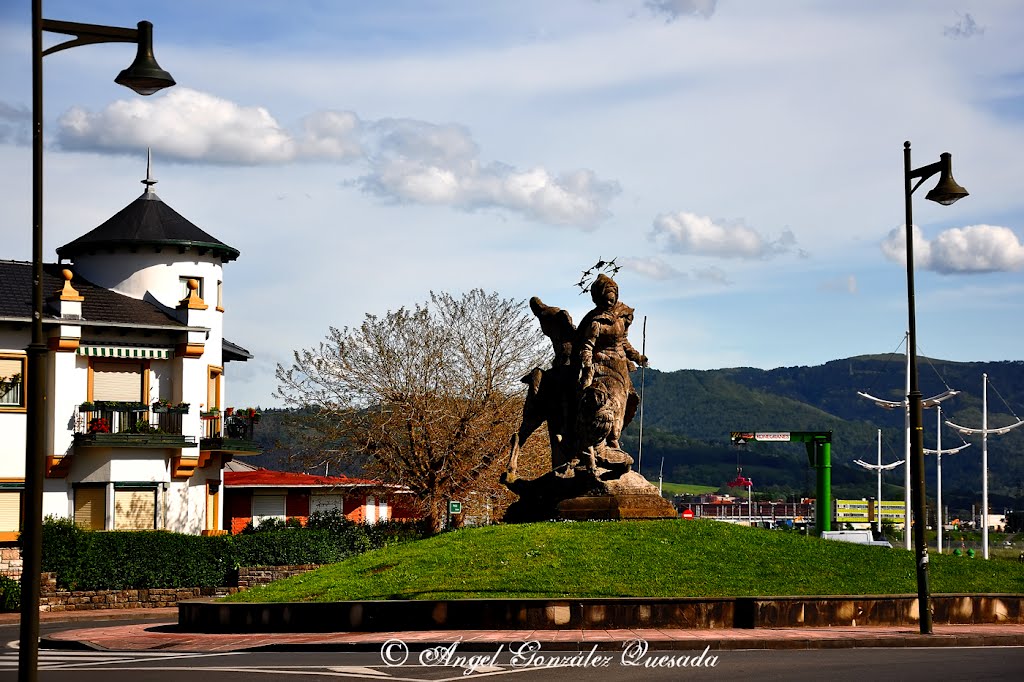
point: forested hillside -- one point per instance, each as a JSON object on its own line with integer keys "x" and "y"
{"x": 688, "y": 415}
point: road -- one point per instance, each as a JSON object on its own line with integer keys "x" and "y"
{"x": 856, "y": 665}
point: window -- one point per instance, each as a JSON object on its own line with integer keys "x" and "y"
{"x": 213, "y": 388}
{"x": 118, "y": 380}
{"x": 10, "y": 514}
{"x": 185, "y": 290}
{"x": 134, "y": 508}
{"x": 220, "y": 296}
{"x": 12, "y": 381}
{"x": 91, "y": 507}
{"x": 267, "y": 507}
{"x": 212, "y": 504}
{"x": 325, "y": 503}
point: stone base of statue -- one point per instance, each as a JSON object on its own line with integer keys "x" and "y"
{"x": 572, "y": 493}
{"x": 630, "y": 496}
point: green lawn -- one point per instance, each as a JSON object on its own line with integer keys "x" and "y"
{"x": 672, "y": 558}
{"x": 686, "y": 488}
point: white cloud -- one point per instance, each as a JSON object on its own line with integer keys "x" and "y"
{"x": 409, "y": 161}
{"x": 656, "y": 268}
{"x": 965, "y": 27}
{"x": 184, "y": 124}
{"x": 960, "y": 250}
{"x": 689, "y": 233}
{"x": 426, "y": 163}
{"x": 674, "y": 9}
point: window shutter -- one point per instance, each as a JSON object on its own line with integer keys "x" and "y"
{"x": 8, "y": 368}
{"x": 117, "y": 381}
{"x": 267, "y": 506}
{"x": 324, "y": 503}
{"x": 90, "y": 507}
{"x": 10, "y": 510}
{"x": 135, "y": 509}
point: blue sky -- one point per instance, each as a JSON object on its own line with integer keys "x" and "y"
{"x": 742, "y": 160}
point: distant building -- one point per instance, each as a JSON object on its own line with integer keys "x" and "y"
{"x": 253, "y": 494}
{"x": 136, "y": 427}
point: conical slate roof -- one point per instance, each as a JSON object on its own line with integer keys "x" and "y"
{"x": 147, "y": 222}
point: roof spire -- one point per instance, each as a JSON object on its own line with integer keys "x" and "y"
{"x": 149, "y": 181}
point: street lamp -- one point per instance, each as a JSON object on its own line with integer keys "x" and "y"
{"x": 946, "y": 192}
{"x": 145, "y": 77}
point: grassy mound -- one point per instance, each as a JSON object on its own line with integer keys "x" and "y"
{"x": 672, "y": 558}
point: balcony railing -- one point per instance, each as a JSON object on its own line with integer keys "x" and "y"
{"x": 109, "y": 424}
{"x": 231, "y": 431}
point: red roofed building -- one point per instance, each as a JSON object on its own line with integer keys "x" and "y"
{"x": 252, "y": 495}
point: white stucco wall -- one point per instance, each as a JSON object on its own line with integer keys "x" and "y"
{"x": 151, "y": 276}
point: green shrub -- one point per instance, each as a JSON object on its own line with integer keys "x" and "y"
{"x": 384, "y": 533}
{"x": 10, "y": 594}
{"x": 154, "y": 559}
{"x": 288, "y": 547}
{"x": 64, "y": 546}
{"x": 95, "y": 560}
{"x": 348, "y": 534}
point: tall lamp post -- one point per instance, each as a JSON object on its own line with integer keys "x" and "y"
{"x": 945, "y": 192}
{"x": 145, "y": 77}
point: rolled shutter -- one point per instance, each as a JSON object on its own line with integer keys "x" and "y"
{"x": 10, "y": 511}
{"x": 117, "y": 381}
{"x": 8, "y": 368}
{"x": 267, "y": 506}
{"x": 90, "y": 507}
{"x": 135, "y": 509}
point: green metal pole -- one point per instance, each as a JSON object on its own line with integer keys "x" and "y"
{"x": 823, "y": 464}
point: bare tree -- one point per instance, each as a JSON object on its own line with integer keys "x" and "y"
{"x": 425, "y": 397}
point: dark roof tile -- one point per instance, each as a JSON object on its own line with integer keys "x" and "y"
{"x": 100, "y": 305}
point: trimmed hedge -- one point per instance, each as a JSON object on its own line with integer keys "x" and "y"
{"x": 92, "y": 560}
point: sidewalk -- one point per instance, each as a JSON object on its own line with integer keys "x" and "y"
{"x": 163, "y": 636}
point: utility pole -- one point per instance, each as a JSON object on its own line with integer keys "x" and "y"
{"x": 985, "y": 431}
{"x": 879, "y": 468}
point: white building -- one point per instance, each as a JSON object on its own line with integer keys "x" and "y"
{"x": 136, "y": 434}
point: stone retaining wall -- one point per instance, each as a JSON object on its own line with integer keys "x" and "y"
{"x": 592, "y": 614}
{"x": 255, "y": 576}
{"x": 10, "y": 562}
{"x": 53, "y": 599}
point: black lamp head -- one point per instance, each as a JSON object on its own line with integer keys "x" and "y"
{"x": 145, "y": 76}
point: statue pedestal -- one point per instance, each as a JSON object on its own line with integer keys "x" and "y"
{"x": 630, "y": 496}
{"x": 579, "y": 498}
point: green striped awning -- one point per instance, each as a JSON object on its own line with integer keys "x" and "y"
{"x": 127, "y": 352}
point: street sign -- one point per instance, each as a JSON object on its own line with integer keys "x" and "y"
{"x": 454, "y": 507}
{"x": 687, "y": 513}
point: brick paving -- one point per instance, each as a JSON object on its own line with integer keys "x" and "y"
{"x": 163, "y": 636}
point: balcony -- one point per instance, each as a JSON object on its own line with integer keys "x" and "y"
{"x": 110, "y": 424}
{"x": 230, "y": 432}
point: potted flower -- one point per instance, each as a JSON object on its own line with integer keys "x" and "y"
{"x": 228, "y": 411}
{"x": 161, "y": 405}
{"x": 87, "y": 406}
{"x": 180, "y": 408}
{"x": 99, "y": 425}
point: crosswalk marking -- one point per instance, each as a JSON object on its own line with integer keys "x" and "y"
{"x": 56, "y": 659}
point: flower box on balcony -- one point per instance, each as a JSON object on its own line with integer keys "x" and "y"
{"x": 121, "y": 406}
{"x": 167, "y": 407}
